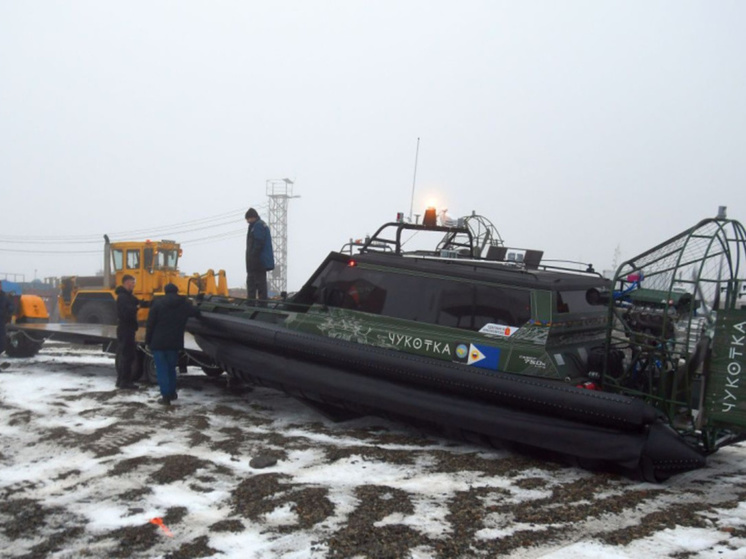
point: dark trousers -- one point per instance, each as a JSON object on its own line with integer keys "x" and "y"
{"x": 2, "y": 336}
{"x": 256, "y": 285}
{"x": 126, "y": 358}
{"x": 165, "y": 367}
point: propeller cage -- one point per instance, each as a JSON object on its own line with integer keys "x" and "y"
{"x": 676, "y": 315}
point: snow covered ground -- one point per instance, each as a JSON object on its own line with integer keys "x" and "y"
{"x": 85, "y": 470}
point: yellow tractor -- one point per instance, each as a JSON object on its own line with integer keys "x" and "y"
{"x": 153, "y": 264}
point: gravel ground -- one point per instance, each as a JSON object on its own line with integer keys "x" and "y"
{"x": 366, "y": 488}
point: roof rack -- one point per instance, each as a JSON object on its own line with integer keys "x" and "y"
{"x": 378, "y": 242}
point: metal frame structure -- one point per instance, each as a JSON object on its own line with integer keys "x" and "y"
{"x": 279, "y": 192}
{"x": 483, "y": 234}
{"x": 670, "y": 323}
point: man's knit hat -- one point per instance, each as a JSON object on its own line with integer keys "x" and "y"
{"x": 170, "y": 288}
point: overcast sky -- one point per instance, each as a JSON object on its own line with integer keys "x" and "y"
{"x": 577, "y": 127}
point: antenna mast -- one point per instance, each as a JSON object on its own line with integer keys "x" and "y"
{"x": 414, "y": 179}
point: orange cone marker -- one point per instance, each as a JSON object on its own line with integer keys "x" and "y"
{"x": 158, "y": 521}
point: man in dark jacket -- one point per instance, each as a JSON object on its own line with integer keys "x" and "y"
{"x": 259, "y": 256}
{"x": 127, "y": 305}
{"x": 165, "y": 337}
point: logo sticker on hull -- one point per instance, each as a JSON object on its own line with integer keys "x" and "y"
{"x": 478, "y": 355}
{"x": 498, "y": 330}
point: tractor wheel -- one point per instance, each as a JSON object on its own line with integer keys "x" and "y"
{"x": 20, "y": 345}
{"x": 212, "y": 372}
{"x": 97, "y": 312}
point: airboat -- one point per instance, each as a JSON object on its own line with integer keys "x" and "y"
{"x": 641, "y": 372}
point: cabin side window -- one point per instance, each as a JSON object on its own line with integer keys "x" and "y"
{"x": 133, "y": 259}
{"x": 118, "y": 257}
{"x": 349, "y": 287}
{"x": 473, "y": 306}
{"x": 433, "y": 300}
{"x": 148, "y": 258}
{"x": 456, "y": 307}
{"x": 575, "y": 302}
{"x": 501, "y": 305}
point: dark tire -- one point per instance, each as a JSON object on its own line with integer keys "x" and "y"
{"x": 139, "y": 367}
{"x": 97, "y": 312}
{"x": 145, "y": 371}
{"x": 212, "y": 372}
{"x": 149, "y": 372}
{"x": 20, "y": 345}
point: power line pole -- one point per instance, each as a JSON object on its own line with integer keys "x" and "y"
{"x": 279, "y": 192}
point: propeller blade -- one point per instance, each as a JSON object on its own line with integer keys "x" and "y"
{"x": 708, "y": 311}
{"x": 716, "y": 301}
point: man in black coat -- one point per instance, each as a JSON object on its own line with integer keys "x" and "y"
{"x": 127, "y": 305}
{"x": 165, "y": 337}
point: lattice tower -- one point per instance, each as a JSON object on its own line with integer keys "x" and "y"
{"x": 279, "y": 192}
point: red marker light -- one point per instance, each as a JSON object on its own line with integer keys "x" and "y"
{"x": 588, "y": 385}
{"x": 351, "y": 264}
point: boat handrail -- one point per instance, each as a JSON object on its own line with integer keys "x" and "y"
{"x": 376, "y": 242}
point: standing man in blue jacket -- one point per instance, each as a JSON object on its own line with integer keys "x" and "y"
{"x": 164, "y": 335}
{"x": 259, "y": 257}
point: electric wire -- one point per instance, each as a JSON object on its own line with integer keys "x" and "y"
{"x": 26, "y": 251}
{"x": 185, "y": 228}
{"x": 125, "y": 235}
{"x": 226, "y": 217}
{"x": 227, "y": 235}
